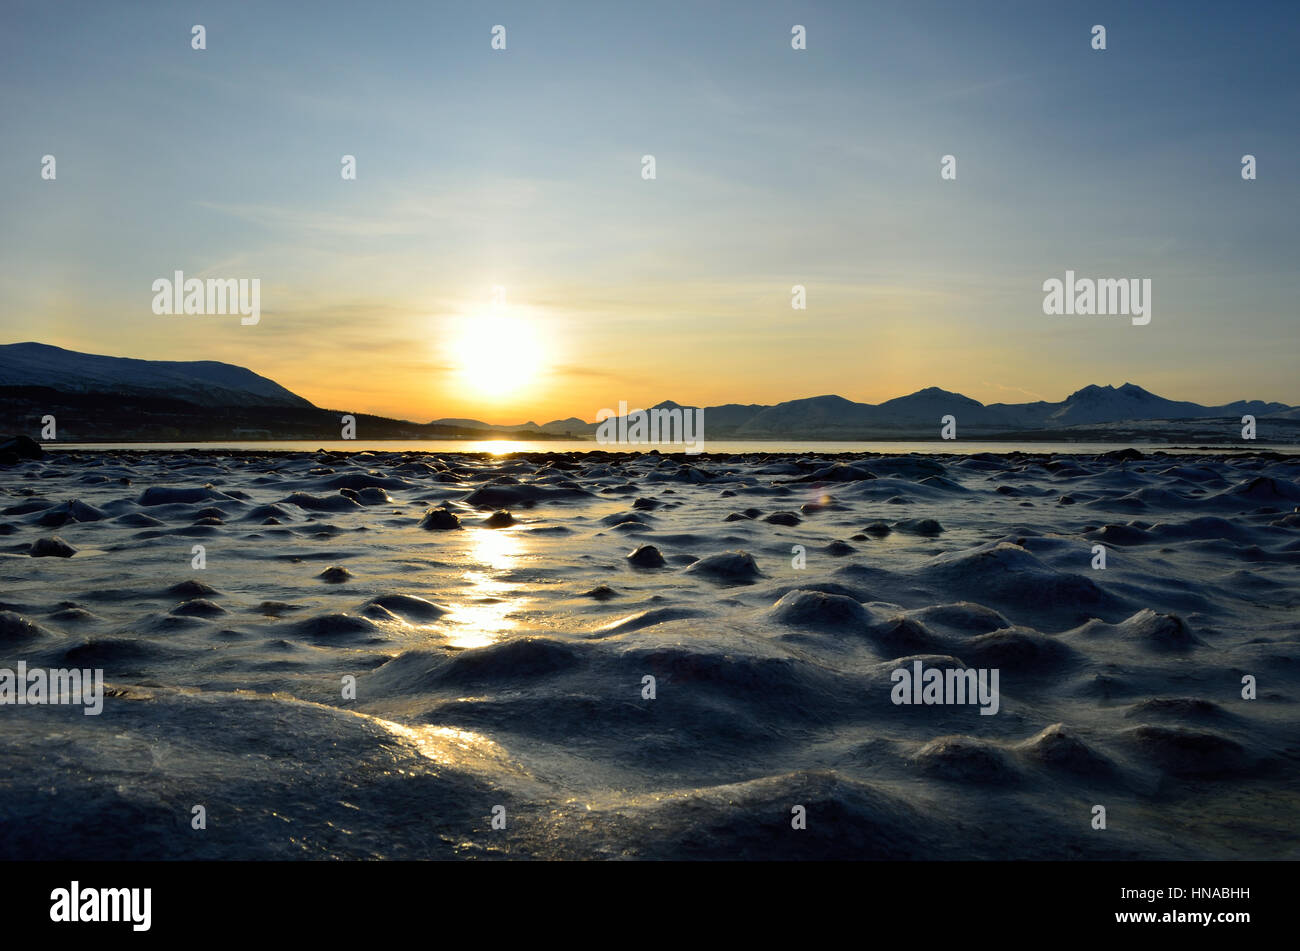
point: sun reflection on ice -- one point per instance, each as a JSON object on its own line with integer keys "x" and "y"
{"x": 449, "y": 746}
{"x": 483, "y": 612}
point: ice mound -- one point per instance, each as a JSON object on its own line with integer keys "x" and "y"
{"x": 1147, "y": 628}
{"x": 362, "y": 482}
{"x": 728, "y": 567}
{"x": 1186, "y": 752}
{"x": 1059, "y": 748}
{"x": 783, "y": 518}
{"x": 1265, "y": 489}
{"x": 919, "y": 526}
{"x": 751, "y": 821}
{"x": 895, "y": 633}
{"x": 817, "y": 609}
{"x": 191, "y": 588}
{"x": 52, "y": 547}
{"x": 648, "y": 618}
{"x": 119, "y": 654}
{"x": 138, "y": 520}
{"x": 1179, "y": 708}
{"x": 1009, "y": 574}
{"x": 439, "y": 520}
{"x": 334, "y": 626}
{"x": 965, "y": 759}
{"x": 368, "y": 496}
{"x": 520, "y": 496}
{"x": 16, "y": 629}
{"x": 1017, "y": 649}
{"x": 409, "y": 606}
{"x": 839, "y": 472}
{"x": 316, "y": 503}
{"x": 963, "y": 617}
{"x": 646, "y": 556}
{"x": 163, "y": 495}
{"x": 71, "y": 511}
{"x": 198, "y": 607}
{"x": 260, "y": 513}
{"x": 512, "y": 661}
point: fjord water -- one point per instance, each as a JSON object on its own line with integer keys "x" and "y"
{"x": 821, "y": 447}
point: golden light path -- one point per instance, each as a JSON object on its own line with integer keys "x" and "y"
{"x": 449, "y": 746}
{"x": 482, "y": 614}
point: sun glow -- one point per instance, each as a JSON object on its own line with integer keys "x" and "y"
{"x": 497, "y": 355}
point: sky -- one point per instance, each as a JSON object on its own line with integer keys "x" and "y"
{"x": 500, "y": 256}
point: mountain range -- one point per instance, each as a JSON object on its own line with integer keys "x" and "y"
{"x": 121, "y": 398}
{"x": 827, "y": 417}
{"x": 919, "y": 414}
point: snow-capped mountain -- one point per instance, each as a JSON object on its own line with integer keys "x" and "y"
{"x": 202, "y": 382}
{"x": 834, "y": 417}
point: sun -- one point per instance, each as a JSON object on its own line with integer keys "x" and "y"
{"x": 497, "y": 355}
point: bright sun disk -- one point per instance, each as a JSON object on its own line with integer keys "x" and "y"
{"x": 497, "y": 355}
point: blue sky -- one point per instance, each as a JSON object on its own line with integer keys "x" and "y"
{"x": 775, "y": 167}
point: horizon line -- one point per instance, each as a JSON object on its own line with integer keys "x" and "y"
{"x": 529, "y": 418}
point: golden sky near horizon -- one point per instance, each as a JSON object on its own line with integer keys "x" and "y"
{"x": 565, "y": 351}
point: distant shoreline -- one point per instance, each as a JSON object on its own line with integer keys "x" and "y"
{"x": 847, "y": 448}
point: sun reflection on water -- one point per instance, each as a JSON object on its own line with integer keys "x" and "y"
{"x": 497, "y": 447}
